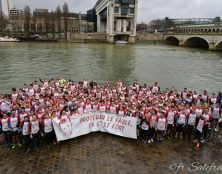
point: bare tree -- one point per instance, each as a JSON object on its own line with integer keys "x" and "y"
{"x": 3, "y": 24}
{"x": 65, "y": 10}
{"x": 33, "y": 26}
{"x": 156, "y": 24}
{"x": 58, "y": 18}
{"x": 52, "y": 23}
{"x": 46, "y": 21}
{"x": 27, "y": 17}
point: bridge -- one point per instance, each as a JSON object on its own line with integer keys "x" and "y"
{"x": 202, "y": 36}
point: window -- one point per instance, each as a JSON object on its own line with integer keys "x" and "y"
{"x": 125, "y": 1}
{"x": 124, "y": 10}
{"x": 129, "y": 26}
{"x": 116, "y": 10}
{"x": 116, "y": 1}
{"x": 132, "y": 2}
{"x": 131, "y": 10}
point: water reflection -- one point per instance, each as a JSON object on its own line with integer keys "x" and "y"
{"x": 169, "y": 65}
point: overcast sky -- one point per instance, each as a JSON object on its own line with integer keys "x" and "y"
{"x": 148, "y": 9}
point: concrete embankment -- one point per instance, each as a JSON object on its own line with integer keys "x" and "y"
{"x": 86, "y": 37}
{"x": 101, "y": 38}
{"x": 149, "y": 38}
{"x": 142, "y": 37}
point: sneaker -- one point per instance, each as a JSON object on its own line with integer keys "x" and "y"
{"x": 145, "y": 142}
{"x": 202, "y": 141}
{"x": 149, "y": 141}
{"x": 28, "y": 151}
{"x": 216, "y": 130}
{"x": 13, "y": 147}
{"x": 19, "y": 145}
{"x": 49, "y": 147}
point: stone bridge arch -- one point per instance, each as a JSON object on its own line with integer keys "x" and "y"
{"x": 173, "y": 40}
{"x": 218, "y": 46}
{"x": 196, "y": 41}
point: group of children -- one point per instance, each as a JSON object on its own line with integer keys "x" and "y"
{"x": 27, "y": 113}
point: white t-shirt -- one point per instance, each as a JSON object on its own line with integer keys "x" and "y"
{"x": 170, "y": 117}
{"x": 192, "y": 119}
{"x": 14, "y": 123}
{"x": 34, "y": 127}
{"x": 25, "y": 128}
{"x": 161, "y": 124}
{"x": 48, "y": 125}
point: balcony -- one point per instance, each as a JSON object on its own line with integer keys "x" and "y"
{"x": 122, "y": 33}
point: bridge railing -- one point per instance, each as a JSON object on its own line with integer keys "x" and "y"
{"x": 193, "y": 33}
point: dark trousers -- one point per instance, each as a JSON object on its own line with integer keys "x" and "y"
{"x": 7, "y": 137}
{"x": 35, "y": 141}
{"x": 198, "y": 135}
{"x": 49, "y": 138}
{"x": 179, "y": 128}
{"x": 144, "y": 134}
{"x": 189, "y": 130}
{"x": 26, "y": 140}
{"x": 205, "y": 131}
{"x": 152, "y": 132}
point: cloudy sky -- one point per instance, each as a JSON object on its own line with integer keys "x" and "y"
{"x": 148, "y": 9}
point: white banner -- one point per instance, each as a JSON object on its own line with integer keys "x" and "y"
{"x": 83, "y": 124}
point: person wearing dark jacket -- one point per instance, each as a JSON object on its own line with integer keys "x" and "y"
{"x": 219, "y": 99}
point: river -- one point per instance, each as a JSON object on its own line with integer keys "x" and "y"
{"x": 171, "y": 66}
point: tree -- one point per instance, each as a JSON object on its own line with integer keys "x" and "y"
{"x": 65, "y": 10}
{"x": 3, "y": 24}
{"x": 58, "y": 18}
{"x": 46, "y": 21}
{"x": 27, "y": 18}
{"x": 156, "y": 24}
{"x": 52, "y": 19}
{"x": 33, "y": 26}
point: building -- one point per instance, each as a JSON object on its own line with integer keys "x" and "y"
{"x": 194, "y": 21}
{"x": 16, "y": 14}
{"x": 1, "y": 9}
{"x": 117, "y": 18}
{"x": 6, "y": 6}
{"x": 44, "y": 21}
{"x": 87, "y": 25}
{"x": 92, "y": 18}
{"x": 16, "y": 20}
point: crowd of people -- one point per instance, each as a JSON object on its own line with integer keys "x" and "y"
{"x": 26, "y": 114}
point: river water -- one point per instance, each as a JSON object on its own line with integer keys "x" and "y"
{"x": 169, "y": 65}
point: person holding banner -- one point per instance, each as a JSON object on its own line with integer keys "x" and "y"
{"x": 65, "y": 101}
